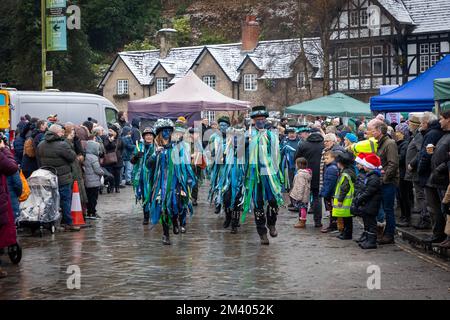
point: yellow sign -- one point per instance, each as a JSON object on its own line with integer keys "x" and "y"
{"x": 4, "y": 109}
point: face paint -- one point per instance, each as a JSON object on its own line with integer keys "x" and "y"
{"x": 259, "y": 124}
{"x": 166, "y": 134}
{"x": 223, "y": 127}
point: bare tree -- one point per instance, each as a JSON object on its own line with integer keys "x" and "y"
{"x": 321, "y": 13}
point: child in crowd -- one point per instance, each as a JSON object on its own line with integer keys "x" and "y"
{"x": 300, "y": 192}
{"x": 330, "y": 178}
{"x": 368, "y": 201}
{"x": 344, "y": 193}
{"x": 92, "y": 174}
{"x": 359, "y": 187}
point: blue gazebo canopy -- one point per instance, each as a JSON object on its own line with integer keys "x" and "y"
{"x": 414, "y": 96}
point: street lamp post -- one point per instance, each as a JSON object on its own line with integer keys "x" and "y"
{"x": 44, "y": 46}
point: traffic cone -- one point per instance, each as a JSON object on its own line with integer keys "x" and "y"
{"x": 77, "y": 211}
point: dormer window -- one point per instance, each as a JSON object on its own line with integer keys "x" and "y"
{"x": 210, "y": 81}
{"x": 250, "y": 82}
{"x": 161, "y": 84}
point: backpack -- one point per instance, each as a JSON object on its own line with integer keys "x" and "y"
{"x": 25, "y": 188}
{"x": 28, "y": 148}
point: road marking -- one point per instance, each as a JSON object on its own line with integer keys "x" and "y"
{"x": 421, "y": 256}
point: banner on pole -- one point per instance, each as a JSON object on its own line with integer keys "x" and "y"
{"x": 56, "y": 25}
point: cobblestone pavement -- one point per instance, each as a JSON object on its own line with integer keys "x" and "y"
{"x": 121, "y": 259}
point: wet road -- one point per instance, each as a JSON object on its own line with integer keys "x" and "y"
{"x": 121, "y": 259}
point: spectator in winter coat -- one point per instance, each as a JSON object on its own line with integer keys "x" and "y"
{"x": 55, "y": 152}
{"x": 15, "y": 191}
{"x": 331, "y": 144}
{"x": 405, "y": 194}
{"x": 92, "y": 177}
{"x": 368, "y": 201}
{"x": 135, "y": 132}
{"x": 76, "y": 166}
{"x": 128, "y": 148}
{"x": 446, "y": 202}
{"x": 121, "y": 119}
{"x": 388, "y": 153}
{"x": 19, "y": 141}
{"x": 8, "y": 166}
{"x": 300, "y": 193}
{"x": 411, "y": 173}
{"x": 432, "y": 132}
{"x": 29, "y": 162}
{"x": 330, "y": 178}
{"x": 311, "y": 150}
{"x": 289, "y": 147}
{"x": 113, "y": 143}
{"x": 38, "y": 137}
{"x": 344, "y": 193}
{"x": 439, "y": 180}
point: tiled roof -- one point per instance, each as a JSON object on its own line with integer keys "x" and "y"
{"x": 398, "y": 10}
{"x": 426, "y": 15}
{"x": 275, "y": 58}
{"x": 429, "y": 15}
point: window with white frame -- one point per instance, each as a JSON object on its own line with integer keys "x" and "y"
{"x": 343, "y": 53}
{"x": 354, "y": 68}
{"x": 434, "y": 48}
{"x": 377, "y": 66}
{"x": 250, "y": 82}
{"x": 210, "y": 81}
{"x": 301, "y": 80}
{"x": 354, "y": 52}
{"x": 122, "y": 86}
{"x": 424, "y": 63}
{"x": 366, "y": 69}
{"x": 377, "y": 50}
{"x": 363, "y": 17}
{"x": 424, "y": 48}
{"x": 365, "y": 52}
{"x": 354, "y": 18}
{"x": 161, "y": 84}
{"x": 343, "y": 69}
{"x": 210, "y": 115}
{"x": 434, "y": 58}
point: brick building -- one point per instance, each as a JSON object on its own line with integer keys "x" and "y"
{"x": 274, "y": 73}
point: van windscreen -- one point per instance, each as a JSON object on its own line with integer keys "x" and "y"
{"x": 111, "y": 115}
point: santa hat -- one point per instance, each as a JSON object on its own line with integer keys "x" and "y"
{"x": 359, "y": 159}
{"x": 372, "y": 161}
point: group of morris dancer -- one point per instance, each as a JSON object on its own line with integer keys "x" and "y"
{"x": 243, "y": 169}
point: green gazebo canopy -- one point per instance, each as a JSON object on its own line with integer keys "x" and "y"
{"x": 442, "y": 89}
{"x": 336, "y": 105}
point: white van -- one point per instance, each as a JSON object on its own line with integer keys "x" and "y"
{"x": 69, "y": 106}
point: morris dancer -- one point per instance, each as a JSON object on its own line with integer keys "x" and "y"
{"x": 217, "y": 144}
{"x": 142, "y": 173}
{"x": 264, "y": 180}
{"x": 173, "y": 180}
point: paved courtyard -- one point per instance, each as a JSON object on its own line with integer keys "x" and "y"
{"x": 121, "y": 259}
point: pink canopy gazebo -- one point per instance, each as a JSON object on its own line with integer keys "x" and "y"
{"x": 188, "y": 97}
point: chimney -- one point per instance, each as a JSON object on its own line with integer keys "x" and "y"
{"x": 167, "y": 40}
{"x": 250, "y": 33}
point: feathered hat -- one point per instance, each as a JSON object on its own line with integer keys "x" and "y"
{"x": 259, "y": 111}
{"x": 161, "y": 124}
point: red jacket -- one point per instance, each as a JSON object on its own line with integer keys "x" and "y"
{"x": 8, "y": 166}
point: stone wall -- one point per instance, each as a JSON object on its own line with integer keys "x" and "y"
{"x": 135, "y": 89}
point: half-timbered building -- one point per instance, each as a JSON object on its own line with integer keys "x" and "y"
{"x": 386, "y": 42}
